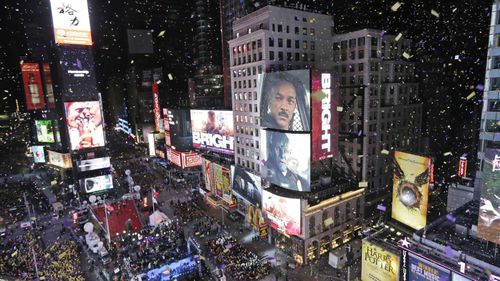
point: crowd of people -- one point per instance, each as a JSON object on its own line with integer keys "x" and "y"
{"x": 238, "y": 262}
{"x": 186, "y": 211}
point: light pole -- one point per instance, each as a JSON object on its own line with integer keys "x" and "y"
{"x": 107, "y": 222}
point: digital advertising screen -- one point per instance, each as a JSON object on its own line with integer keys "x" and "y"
{"x": 286, "y": 159}
{"x": 151, "y": 144}
{"x": 49, "y": 88}
{"x": 62, "y": 160}
{"x": 156, "y": 107}
{"x": 488, "y": 226}
{"x": 85, "y": 124}
{"x": 246, "y": 185}
{"x": 213, "y": 130}
{"x": 458, "y": 277}
{"x": 284, "y": 100}
{"x": 378, "y": 264}
{"x": 174, "y": 157}
{"x": 424, "y": 270}
{"x": 177, "y": 126}
{"x": 77, "y": 74}
{"x": 325, "y": 119}
{"x": 32, "y": 82}
{"x": 45, "y": 131}
{"x": 222, "y": 182}
{"x": 207, "y": 174}
{"x": 96, "y": 184}
{"x": 282, "y": 213}
{"x": 71, "y": 22}
{"x": 410, "y": 189}
{"x": 190, "y": 160}
{"x": 38, "y": 154}
{"x": 93, "y": 164}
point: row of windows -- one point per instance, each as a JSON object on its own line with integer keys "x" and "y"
{"x": 296, "y": 44}
{"x": 247, "y": 59}
{"x": 245, "y": 107}
{"x": 305, "y": 56}
{"x": 250, "y": 46}
{"x": 247, "y": 164}
{"x": 243, "y": 84}
{"x": 297, "y": 29}
{"x": 245, "y": 96}
{"x": 247, "y": 71}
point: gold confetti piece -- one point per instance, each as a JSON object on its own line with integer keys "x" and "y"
{"x": 447, "y": 153}
{"x": 395, "y": 7}
{"x": 170, "y": 77}
{"x": 434, "y": 13}
{"x": 471, "y": 95}
{"x": 398, "y": 37}
{"x": 161, "y": 33}
{"x": 385, "y": 151}
{"x": 340, "y": 109}
{"x": 406, "y": 55}
{"x": 363, "y": 184}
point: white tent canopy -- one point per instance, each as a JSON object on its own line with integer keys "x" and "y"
{"x": 157, "y": 218}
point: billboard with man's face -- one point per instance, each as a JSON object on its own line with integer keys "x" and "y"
{"x": 213, "y": 130}
{"x": 85, "y": 124}
{"x": 282, "y": 213}
{"x": 488, "y": 226}
{"x": 284, "y": 100}
{"x": 246, "y": 185}
{"x": 410, "y": 189}
{"x": 286, "y": 159}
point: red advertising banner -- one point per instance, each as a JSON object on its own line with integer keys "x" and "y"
{"x": 33, "y": 89}
{"x": 49, "y": 89}
{"x": 324, "y": 101}
{"x": 174, "y": 157}
{"x": 191, "y": 160}
{"x": 462, "y": 167}
{"x": 156, "y": 106}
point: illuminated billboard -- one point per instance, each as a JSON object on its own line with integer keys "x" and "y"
{"x": 378, "y": 264}
{"x": 213, "y": 130}
{"x": 286, "y": 159}
{"x": 246, "y": 185}
{"x": 282, "y": 213}
{"x": 207, "y": 173}
{"x": 49, "y": 89}
{"x": 190, "y": 160}
{"x": 177, "y": 126}
{"x": 325, "y": 123}
{"x": 85, "y": 124}
{"x": 410, "y": 189}
{"x": 156, "y": 106}
{"x": 96, "y": 184}
{"x": 462, "y": 167}
{"x": 488, "y": 226}
{"x": 222, "y": 182}
{"x": 424, "y": 270}
{"x": 32, "y": 82}
{"x": 151, "y": 144}
{"x": 458, "y": 277}
{"x": 62, "y": 160}
{"x": 78, "y": 81}
{"x": 45, "y": 131}
{"x": 174, "y": 156}
{"x": 38, "y": 154}
{"x": 284, "y": 100}
{"x": 71, "y": 22}
{"x": 93, "y": 164}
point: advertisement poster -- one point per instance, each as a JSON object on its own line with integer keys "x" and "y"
{"x": 156, "y": 106}
{"x": 254, "y": 217}
{"x": 247, "y": 186}
{"x": 410, "y": 189}
{"x": 227, "y": 195}
{"x": 62, "y": 160}
{"x": 151, "y": 144}
{"x": 207, "y": 173}
{"x": 282, "y": 213}
{"x": 96, "y": 184}
{"x": 424, "y": 270}
{"x": 174, "y": 157}
{"x": 49, "y": 89}
{"x": 71, "y": 22}
{"x": 45, "y": 131}
{"x": 488, "y": 226}
{"x": 190, "y": 160}
{"x": 457, "y": 277}
{"x": 325, "y": 123}
{"x": 218, "y": 179}
{"x": 76, "y": 66}
{"x": 286, "y": 159}
{"x": 38, "y": 154}
{"x": 213, "y": 130}
{"x": 377, "y": 264}
{"x": 284, "y": 102}
{"x": 85, "y": 124}
{"x": 462, "y": 167}
{"x": 93, "y": 164}
{"x": 32, "y": 82}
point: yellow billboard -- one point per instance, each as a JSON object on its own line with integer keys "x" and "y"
{"x": 377, "y": 264}
{"x": 410, "y": 192}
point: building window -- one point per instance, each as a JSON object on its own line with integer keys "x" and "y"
{"x": 273, "y": 27}
{"x": 271, "y": 42}
{"x": 312, "y": 226}
{"x": 280, "y": 28}
{"x": 297, "y": 44}
{"x": 304, "y": 44}
{"x": 361, "y": 54}
{"x": 305, "y": 56}
{"x": 313, "y": 45}
{"x": 260, "y": 56}
{"x": 297, "y": 56}
{"x": 312, "y": 32}
{"x": 288, "y": 43}
{"x": 280, "y": 42}
{"x": 374, "y": 41}
{"x": 271, "y": 55}
{"x": 352, "y": 43}
{"x": 494, "y": 105}
{"x": 280, "y": 56}
{"x": 296, "y": 30}
{"x": 492, "y": 126}
{"x": 287, "y": 29}
{"x": 361, "y": 41}
{"x": 304, "y": 31}
{"x": 360, "y": 67}
{"x": 259, "y": 43}
{"x": 313, "y": 57}
{"x": 373, "y": 54}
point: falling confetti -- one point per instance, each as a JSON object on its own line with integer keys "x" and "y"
{"x": 161, "y": 33}
{"x": 396, "y": 6}
{"x": 435, "y": 13}
{"x": 398, "y": 37}
{"x": 471, "y": 95}
{"x": 363, "y": 184}
{"x": 170, "y": 77}
{"x": 340, "y": 109}
{"x": 406, "y": 55}
{"x": 385, "y": 151}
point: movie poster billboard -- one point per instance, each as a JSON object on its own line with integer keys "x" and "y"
{"x": 286, "y": 159}
{"x": 49, "y": 88}
{"x": 325, "y": 123}
{"x": 213, "y": 130}
{"x": 207, "y": 174}
{"x": 378, "y": 264}
{"x": 77, "y": 73}
{"x": 488, "y": 226}
{"x": 71, "y": 22}
{"x": 32, "y": 82}
{"x": 246, "y": 185}
{"x": 93, "y": 164}
{"x": 284, "y": 100}
{"x": 410, "y": 189}
{"x": 45, "y": 131}
{"x": 282, "y": 213}
{"x": 96, "y": 184}
{"x": 85, "y": 124}
{"x": 423, "y": 270}
{"x": 38, "y": 154}
{"x": 62, "y": 160}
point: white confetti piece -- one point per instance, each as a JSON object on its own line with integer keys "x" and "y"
{"x": 340, "y": 109}
{"x": 395, "y": 7}
{"x": 161, "y": 33}
{"x": 447, "y": 153}
{"x": 363, "y": 184}
{"x": 435, "y": 13}
{"x": 398, "y": 37}
{"x": 170, "y": 77}
{"x": 385, "y": 151}
{"x": 406, "y": 55}
{"x": 471, "y": 95}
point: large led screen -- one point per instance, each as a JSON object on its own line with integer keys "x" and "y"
{"x": 177, "y": 126}
{"x": 488, "y": 226}
{"x": 32, "y": 81}
{"x": 174, "y": 156}
{"x": 286, "y": 159}
{"x": 213, "y": 130}
{"x": 38, "y": 154}
{"x": 222, "y": 182}
{"x": 62, "y": 160}
{"x": 77, "y": 73}
{"x": 284, "y": 100}
{"x": 49, "y": 88}
{"x": 45, "y": 131}
{"x": 96, "y": 184}
{"x": 325, "y": 123}
{"x": 246, "y": 185}
{"x": 207, "y": 174}
{"x": 424, "y": 270}
{"x": 410, "y": 189}
{"x": 85, "y": 124}
{"x": 71, "y": 22}
{"x": 378, "y": 264}
{"x": 93, "y": 164}
{"x": 282, "y": 213}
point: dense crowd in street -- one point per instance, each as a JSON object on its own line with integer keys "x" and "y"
{"x": 12, "y": 207}
{"x": 186, "y": 211}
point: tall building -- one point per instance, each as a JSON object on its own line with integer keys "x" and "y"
{"x": 382, "y": 109}
{"x": 271, "y": 39}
